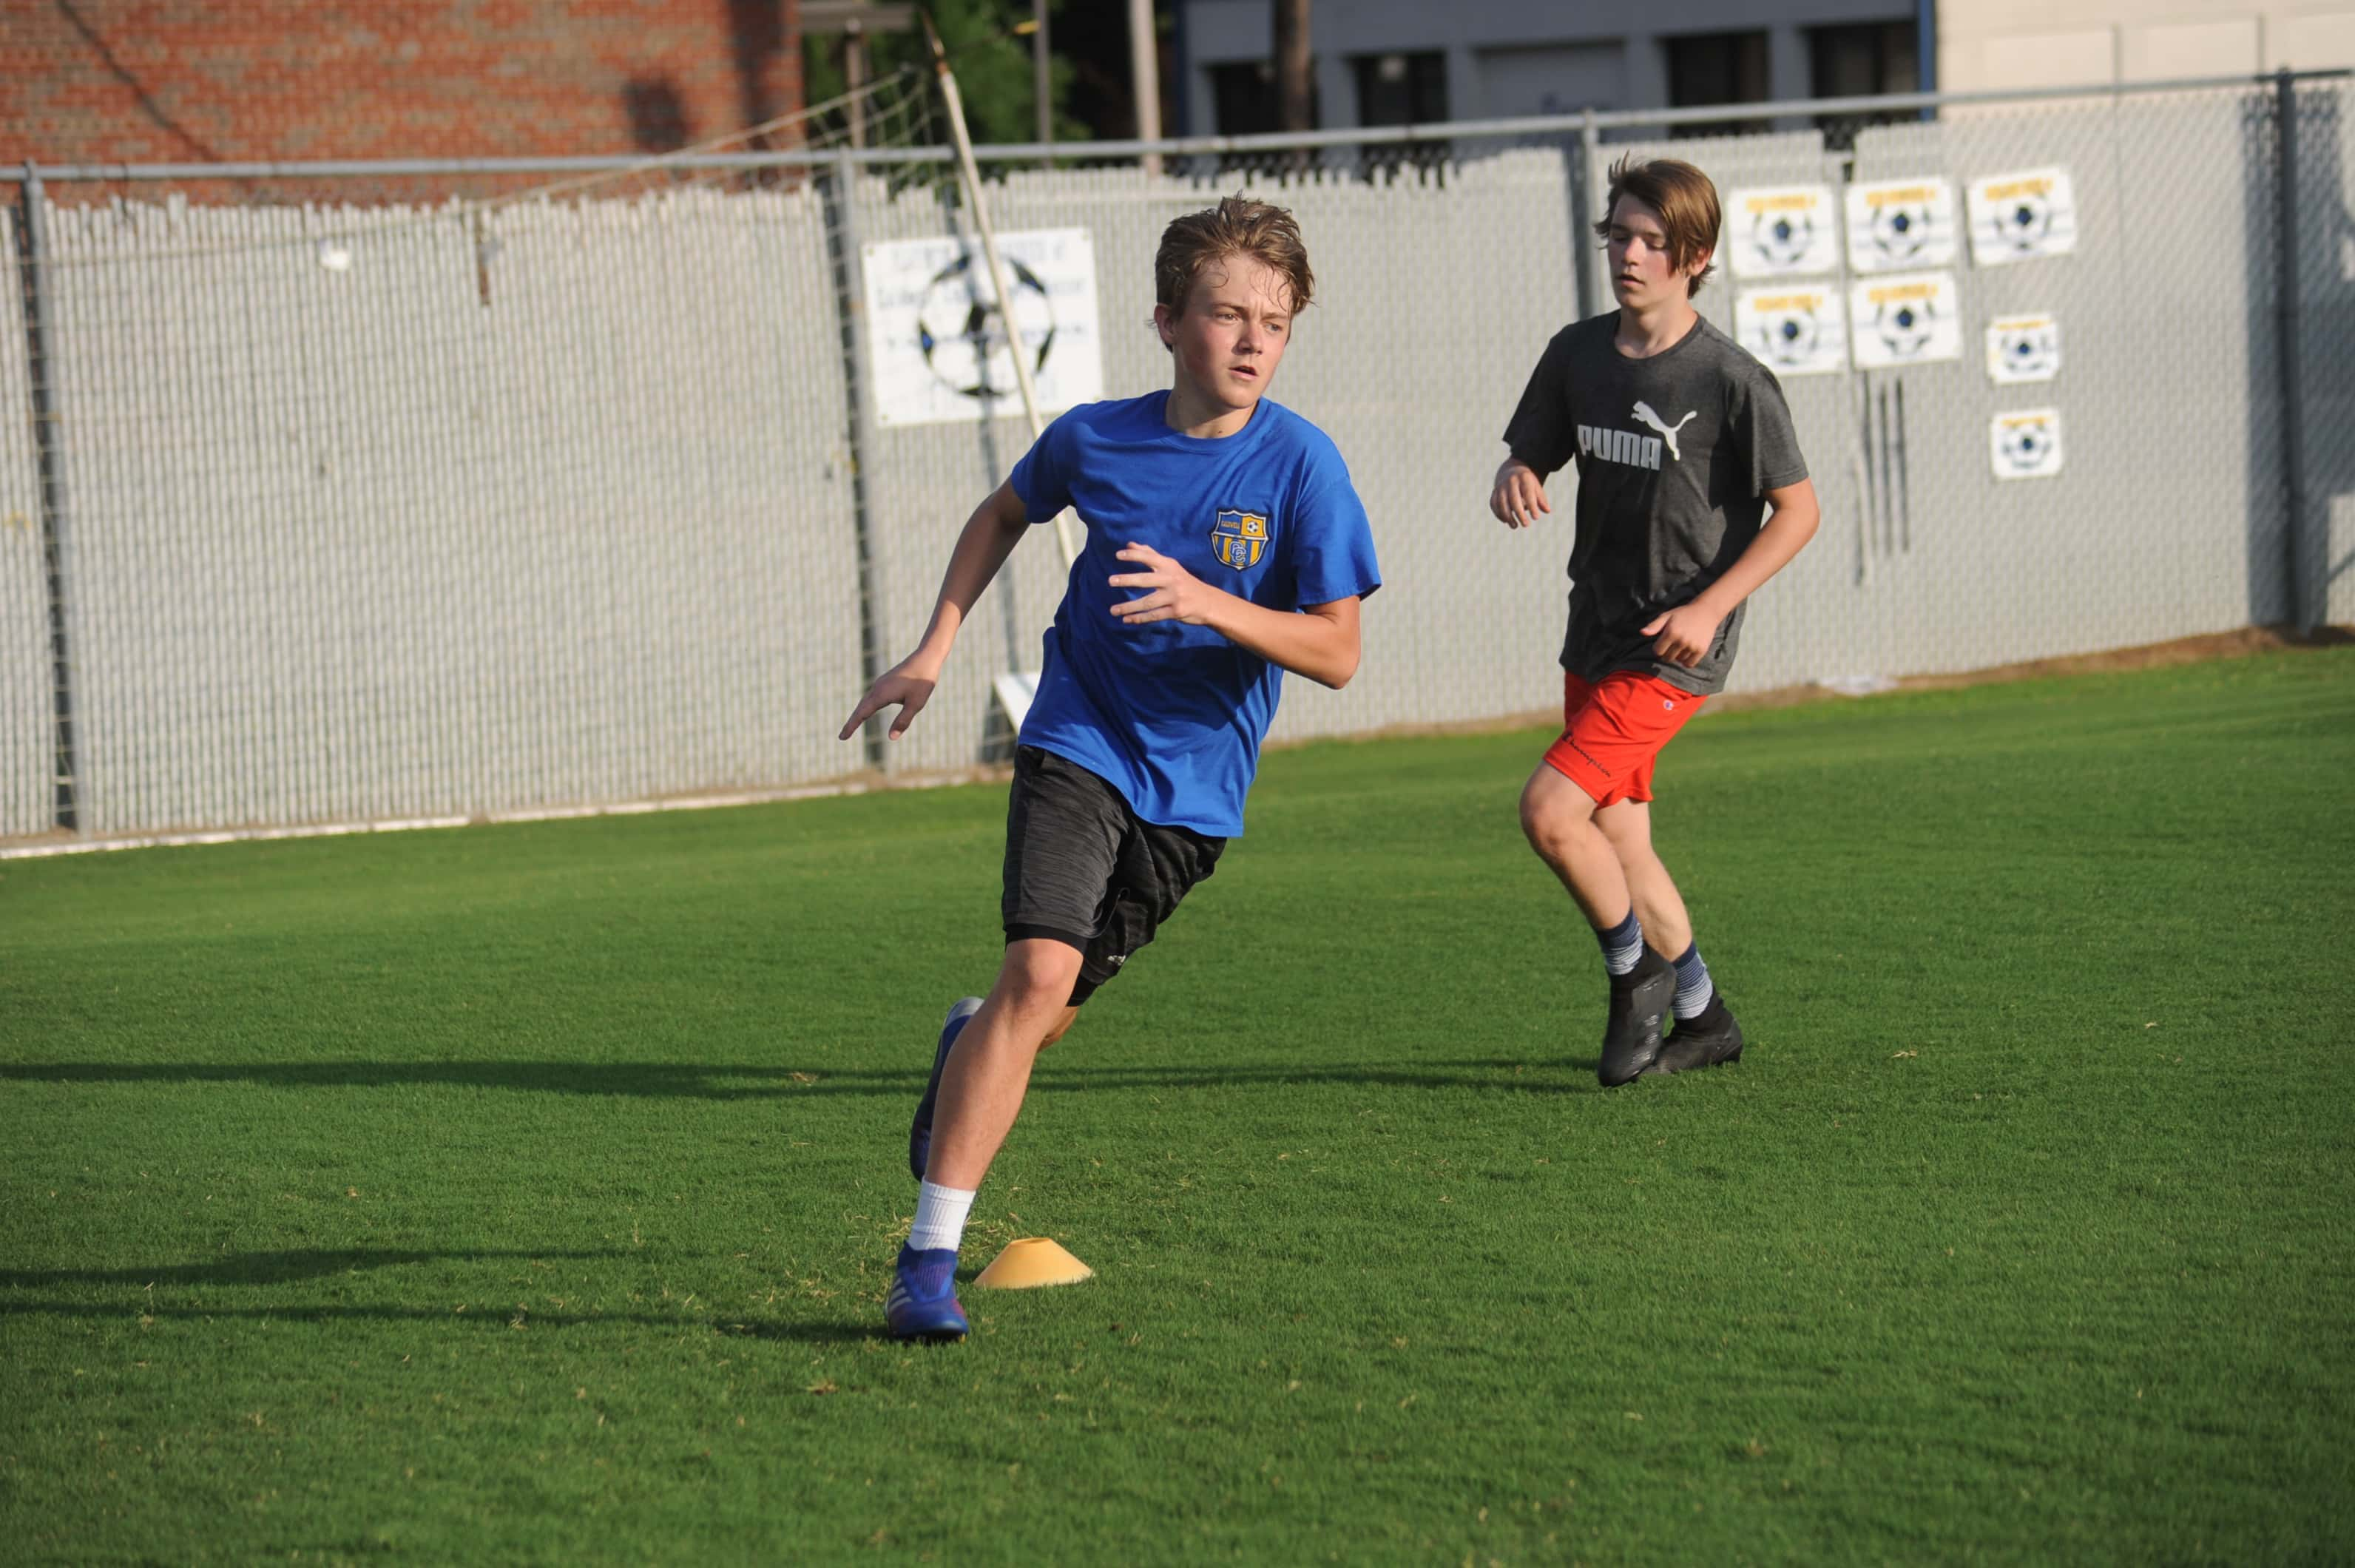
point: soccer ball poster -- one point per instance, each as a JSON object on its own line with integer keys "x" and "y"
{"x": 1781, "y": 232}
{"x": 1909, "y": 319}
{"x": 2022, "y": 348}
{"x": 939, "y": 341}
{"x": 1797, "y": 329}
{"x": 1895, "y": 226}
{"x": 2023, "y": 215}
{"x": 2025, "y": 443}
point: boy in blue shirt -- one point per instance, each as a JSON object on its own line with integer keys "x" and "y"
{"x": 1225, "y": 546}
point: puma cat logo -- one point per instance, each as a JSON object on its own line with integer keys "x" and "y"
{"x": 1628, "y": 447}
{"x": 1643, "y": 415}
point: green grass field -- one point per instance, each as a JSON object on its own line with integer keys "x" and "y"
{"x": 528, "y": 1193}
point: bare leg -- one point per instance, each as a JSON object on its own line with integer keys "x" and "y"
{"x": 989, "y": 1071}
{"x": 1062, "y": 1025}
{"x": 1558, "y": 818}
{"x": 1628, "y": 826}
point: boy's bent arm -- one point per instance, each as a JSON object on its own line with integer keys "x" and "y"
{"x": 1685, "y": 634}
{"x": 1320, "y": 641}
{"x": 989, "y": 535}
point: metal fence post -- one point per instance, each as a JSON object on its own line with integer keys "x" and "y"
{"x": 1582, "y": 177}
{"x": 850, "y": 296}
{"x": 49, "y": 447}
{"x": 2288, "y": 285}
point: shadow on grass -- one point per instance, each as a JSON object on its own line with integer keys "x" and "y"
{"x": 492, "y": 1316}
{"x": 287, "y": 1267}
{"x": 260, "y": 1268}
{"x": 754, "y": 1080}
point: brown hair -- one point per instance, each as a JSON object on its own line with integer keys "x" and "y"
{"x": 1237, "y": 226}
{"x": 1686, "y": 201}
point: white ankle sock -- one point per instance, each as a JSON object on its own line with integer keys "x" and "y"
{"x": 940, "y": 1217}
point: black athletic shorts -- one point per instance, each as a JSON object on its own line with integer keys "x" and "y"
{"x": 1081, "y": 868}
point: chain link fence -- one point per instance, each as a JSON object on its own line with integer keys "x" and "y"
{"x": 329, "y": 514}
{"x": 2167, "y": 517}
{"x": 2323, "y": 331}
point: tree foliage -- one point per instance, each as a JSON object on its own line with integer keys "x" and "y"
{"x": 991, "y": 62}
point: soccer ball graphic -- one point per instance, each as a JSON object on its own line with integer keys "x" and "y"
{"x": 1791, "y": 336}
{"x": 2023, "y": 224}
{"x": 2029, "y": 446}
{"x": 1906, "y": 327}
{"x": 962, "y": 333}
{"x": 2029, "y": 354}
{"x": 1900, "y": 230}
{"x": 1782, "y": 239}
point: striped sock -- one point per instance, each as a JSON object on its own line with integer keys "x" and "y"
{"x": 1622, "y": 945}
{"x": 1693, "y": 988}
{"x": 940, "y": 1217}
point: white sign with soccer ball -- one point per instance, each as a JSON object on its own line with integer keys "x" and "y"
{"x": 1798, "y": 329}
{"x": 1781, "y": 232}
{"x": 2025, "y": 443}
{"x": 1910, "y": 319}
{"x": 2023, "y": 215}
{"x": 2022, "y": 348}
{"x": 1896, "y": 225}
{"x": 939, "y": 347}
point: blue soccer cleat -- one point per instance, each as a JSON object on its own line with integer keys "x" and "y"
{"x": 920, "y": 1131}
{"x": 922, "y": 1304}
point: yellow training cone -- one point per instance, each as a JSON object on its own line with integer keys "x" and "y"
{"x": 1032, "y": 1262}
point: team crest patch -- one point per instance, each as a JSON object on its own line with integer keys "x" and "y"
{"x": 1240, "y": 538}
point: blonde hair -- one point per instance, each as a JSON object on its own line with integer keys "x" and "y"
{"x": 1686, "y": 201}
{"x": 1237, "y": 226}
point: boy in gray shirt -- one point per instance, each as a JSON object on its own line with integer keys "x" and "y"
{"x": 1691, "y": 493}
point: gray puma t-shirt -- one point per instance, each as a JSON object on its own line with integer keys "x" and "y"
{"x": 1675, "y": 456}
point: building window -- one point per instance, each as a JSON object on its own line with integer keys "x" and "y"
{"x": 1861, "y": 61}
{"x": 1401, "y": 89}
{"x": 1244, "y": 97}
{"x": 1717, "y": 68}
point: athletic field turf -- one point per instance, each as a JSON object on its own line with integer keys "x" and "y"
{"x": 527, "y": 1193}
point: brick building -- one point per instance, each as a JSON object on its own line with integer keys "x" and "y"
{"x": 88, "y": 82}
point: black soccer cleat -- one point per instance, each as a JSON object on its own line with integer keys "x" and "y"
{"x": 1708, "y": 1039}
{"x": 1640, "y": 1000}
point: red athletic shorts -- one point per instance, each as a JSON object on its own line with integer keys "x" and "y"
{"x": 1611, "y": 733}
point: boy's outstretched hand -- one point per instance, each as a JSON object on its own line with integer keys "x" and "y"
{"x": 904, "y": 683}
{"x": 1176, "y": 594}
{"x": 1520, "y": 496}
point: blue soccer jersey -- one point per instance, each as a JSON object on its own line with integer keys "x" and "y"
{"x": 1172, "y": 715}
